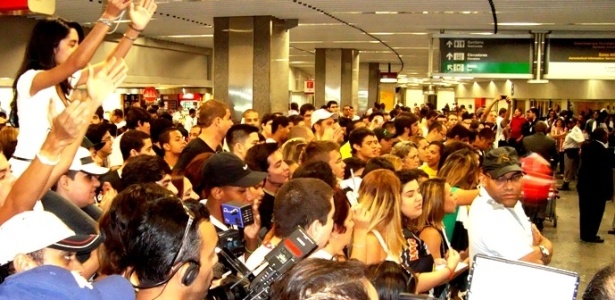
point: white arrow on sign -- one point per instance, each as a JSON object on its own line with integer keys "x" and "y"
{"x": 449, "y": 67}
{"x": 449, "y": 56}
{"x": 449, "y": 44}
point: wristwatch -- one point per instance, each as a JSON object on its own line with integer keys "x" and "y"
{"x": 545, "y": 252}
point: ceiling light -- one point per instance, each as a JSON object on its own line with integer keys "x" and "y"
{"x": 186, "y": 36}
{"x": 320, "y": 24}
{"x": 594, "y": 24}
{"x": 386, "y": 12}
{"x": 523, "y": 24}
{"x": 481, "y": 33}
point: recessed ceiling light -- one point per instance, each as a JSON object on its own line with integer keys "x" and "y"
{"x": 523, "y": 24}
{"x": 594, "y": 24}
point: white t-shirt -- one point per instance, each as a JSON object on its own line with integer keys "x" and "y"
{"x": 115, "y": 158}
{"x": 498, "y": 231}
{"x": 36, "y": 114}
{"x": 189, "y": 122}
{"x": 499, "y": 131}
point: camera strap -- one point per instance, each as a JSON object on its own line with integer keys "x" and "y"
{"x": 218, "y": 224}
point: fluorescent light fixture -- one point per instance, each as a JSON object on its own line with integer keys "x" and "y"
{"x": 320, "y": 24}
{"x": 388, "y": 77}
{"x": 538, "y": 81}
{"x": 523, "y": 24}
{"x": 481, "y": 33}
{"x": 186, "y": 36}
{"x": 398, "y": 33}
{"x": 388, "y": 80}
{"x": 307, "y": 42}
{"x": 386, "y": 12}
{"x": 594, "y": 24}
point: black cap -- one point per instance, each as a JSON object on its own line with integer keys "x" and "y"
{"x": 226, "y": 169}
{"x": 500, "y": 161}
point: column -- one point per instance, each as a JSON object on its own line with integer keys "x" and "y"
{"x": 337, "y": 76}
{"x": 369, "y": 79}
{"x": 251, "y": 63}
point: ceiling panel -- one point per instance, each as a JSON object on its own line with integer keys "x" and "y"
{"x": 396, "y": 22}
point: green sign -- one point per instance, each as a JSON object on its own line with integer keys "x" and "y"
{"x": 487, "y": 56}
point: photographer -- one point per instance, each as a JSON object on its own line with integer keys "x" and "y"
{"x": 302, "y": 202}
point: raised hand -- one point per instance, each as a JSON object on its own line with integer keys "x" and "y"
{"x": 67, "y": 125}
{"x": 114, "y": 8}
{"x": 106, "y": 80}
{"x": 141, "y": 13}
{"x": 362, "y": 217}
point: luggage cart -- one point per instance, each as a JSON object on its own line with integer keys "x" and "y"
{"x": 550, "y": 214}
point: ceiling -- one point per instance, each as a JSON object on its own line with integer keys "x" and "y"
{"x": 405, "y": 26}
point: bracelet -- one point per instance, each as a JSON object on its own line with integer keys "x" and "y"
{"x": 46, "y": 161}
{"x": 133, "y": 28}
{"x": 450, "y": 273}
{"x": 106, "y": 22}
{"x": 248, "y": 250}
{"x": 132, "y": 39}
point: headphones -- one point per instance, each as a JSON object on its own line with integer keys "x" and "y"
{"x": 191, "y": 272}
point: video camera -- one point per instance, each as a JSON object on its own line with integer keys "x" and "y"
{"x": 244, "y": 285}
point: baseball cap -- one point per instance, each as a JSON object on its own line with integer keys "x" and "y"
{"x": 320, "y": 114}
{"x": 84, "y": 162}
{"x": 226, "y": 169}
{"x": 382, "y": 133}
{"x": 500, "y": 161}
{"x": 31, "y": 231}
{"x": 53, "y": 282}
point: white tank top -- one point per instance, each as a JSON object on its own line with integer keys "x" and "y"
{"x": 390, "y": 256}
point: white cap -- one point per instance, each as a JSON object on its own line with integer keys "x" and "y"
{"x": 30, "y": 231}
{"x": 84, "y": 162}
{"x": 320, "y": 114}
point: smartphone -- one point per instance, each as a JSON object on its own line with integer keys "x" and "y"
{"x": 503, "y": 96}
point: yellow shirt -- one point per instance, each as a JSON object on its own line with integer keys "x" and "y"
{"x": 346, "y": 150}
{"x": 431, "y": 172}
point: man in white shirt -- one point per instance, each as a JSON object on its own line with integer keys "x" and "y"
{"x": 190, "y": 119}
{"x": 572, "y": 146}
{"x": 498, "y": 225}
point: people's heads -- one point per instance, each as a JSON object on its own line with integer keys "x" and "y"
{"x": 541, "y": 127}
{"x": 558, "y": 123}
{"x": 461, "y": 169}
{"x": 51, "y": 43}
{"x": 364, "y": 143}
{"x": 502, "y": 175}
{"x": 97, "y": 117}
{"x": 215, "y": 115}
{"x": 385, "y": 139}
{"x": 466, "y": 119}
{"x": 194, "y": 173}
{"x": 101, "y": 138}
{"x": 35, "y": 238}
{"x": 293, "y": 149}
{"x": 172, "y": 141}
{"x": 135, "y": 142}
{"x": 317, "y": 169}
{"x": 157, "y": 127}
{"x": 390, "y": 279}
{"x": 297, "y": 120}
{"x": 438, "y": 200}
{"x": 484, "y": 139}
{"x": 353, "y": 166}
{"x": 459, "y": 132}
{"x": 421, "y": 145}
{"x": 324, "y": 279}
{"x": 301, "y": 131}
{"x": 436, "y": 132}
{"x": 602, "y": 285}
{"x": 280, "y": 128}
{"x": 431, "y": 116}
{"x": 265, "y": 124}
{"x": 599, "y": 134}
{"x": 79, "y": 184}
{"x": 533, "y": 113}
{"x": 138, "y": 118}
{"x": 8, "y": 140}
{"x": 411, "y": 198}
{"x": 184, "y": 187}
{"x": 406, "y": 125}
{"x": 377, "y": 163}
{"x": 240, "y": 138}
{"x": 376, "y": 120}
{"x": 167, "y": 244}
{"x": 452, "y": 120}
{"x": 333, "y": 107}
{"x": 434, "y": 152}
{"x": 250, "y": 117}
{"x": 307, "y": 203}
{"x": 194, "y": 133}
{"x": 268, "y": 158}
{"x": 408, "y": 153}
{"x": 306, "y": 111}
{"x": 321, "y": 121}
{"x": 228, "y": 178}
{"x": 158, "y": 172}
{"x": 326, "y": 151}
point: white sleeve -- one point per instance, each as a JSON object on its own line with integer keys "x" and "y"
{"x": 115, "y": 158}
{"x": 74, "y": 79}
{"x": 502, "y": 239}
{"x": 24, "y": 83}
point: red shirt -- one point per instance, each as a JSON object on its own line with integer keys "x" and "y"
{"x": 516, "y": 125}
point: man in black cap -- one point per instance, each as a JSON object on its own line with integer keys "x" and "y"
{"x": 228, "y": 178}
{"x": 498, "y": 225}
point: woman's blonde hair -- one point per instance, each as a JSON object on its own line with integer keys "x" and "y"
{"x": 395, "y": 160}
{"x": 292, "y": 149}
{"x": 379, "y": 193}
{"x": 432, "y": 191}
{"x": 460, "y": 169}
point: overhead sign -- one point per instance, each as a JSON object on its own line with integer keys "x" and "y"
{"x": 581, "y": 58}
{"x": 490, "y": 56}
{"x": 308, "y": 87}
{"x": 150, "y": 94}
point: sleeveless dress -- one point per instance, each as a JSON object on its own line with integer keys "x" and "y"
{"x": 390, "y": 256}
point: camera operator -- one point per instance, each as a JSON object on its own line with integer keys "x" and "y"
{"x": 163, "y": 245}
{"x": 302, "y": 202}
{"x": 227, "y": 178}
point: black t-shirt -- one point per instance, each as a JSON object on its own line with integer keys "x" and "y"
{"x": 416, "y": 256}
{"x": 194, "y": 148}
{"x": 266, "y": 211}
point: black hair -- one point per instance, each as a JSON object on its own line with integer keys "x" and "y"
{"x": 354, "y": 164}
{"x": 374, "y": 115}
{"x": 192, "y": 111}
{"x": 157, "y": 127}
{"x": 357, "y": 136}
{"x": 377, "y": 163}
{"x": 305, "y": 108}
{"x": 279, "y": 121}
{"x": 294, "y": 106}
{"x": 256, "y": 158}
{"x": 390, "y": 279}
{"x": 317, "y": 169}
{"x": 266, "y": 118}
{"x": 403, "y": 121}
{"x": 136, "y": 115}
{"x": 406, "y": 176}
{"x": 300, "y": 202}
{"x": 238, "y": 133}
{"x": 144, "y": 230}
{"x": 318, "y": 150}
{"x": 322, "y": 279}
{"x": 459, "y": 131}
{"x": 165, "y": 136}
{"x": 435, "y": 126}
{"x": 602, "y": 286}
{"x": 331, "y": 102}
{"x": 295, "y": 119}
{"x": 95, "y": 134}
{"x": 40, "y": 55}
{"x": 132, "y": 140}
{"x": 144, "y": 169}
{"x": 118, "y": 113}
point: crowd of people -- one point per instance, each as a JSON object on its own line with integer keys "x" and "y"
{"x": 397, "y": 201}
